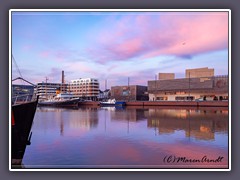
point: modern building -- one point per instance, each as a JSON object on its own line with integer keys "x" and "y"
{"x": 129, "y": 93}
{"x": 198, "y": 85}
{"x": 46, "y": 90}
{"x": 85, "y": 88}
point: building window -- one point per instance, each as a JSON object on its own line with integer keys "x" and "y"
{"x": 180, "y": 92}
{"x": 161, "y": 98}
{"x": 184, "y": 98}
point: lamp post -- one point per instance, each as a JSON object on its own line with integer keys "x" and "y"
{"x": 189, "y": 85}
{"x": 128, "y": 90}
{"x": 155, "y": 86}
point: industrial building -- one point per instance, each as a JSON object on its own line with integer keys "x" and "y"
{"x": 199, "y": 72}
{"x": 199, "y": 84}
{"x": 129, "y": 93}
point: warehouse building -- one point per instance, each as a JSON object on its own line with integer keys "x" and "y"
{"x": 129, "y": 93}
{"x": 198, "y": 84}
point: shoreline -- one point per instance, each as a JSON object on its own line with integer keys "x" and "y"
{"x": 166, "y": 103}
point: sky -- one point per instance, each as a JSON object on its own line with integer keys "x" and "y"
{"x": 114, "y": 46}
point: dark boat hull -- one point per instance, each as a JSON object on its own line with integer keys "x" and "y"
{"x": 22, "y": 119}
{"x": 67, "y": 103}
{"x": 107, "y": 104}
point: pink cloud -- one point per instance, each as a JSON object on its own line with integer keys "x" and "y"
{"x": 45, "y": 54}
{"x": 166, "y": 34}
{"x": 54, "y": 75}
{"x": 57, "y": 54}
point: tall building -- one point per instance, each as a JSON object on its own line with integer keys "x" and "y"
{"x": 85, "y": 88}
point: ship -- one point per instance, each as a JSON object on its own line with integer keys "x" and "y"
{"x": 22, "y": 116}
{"x": 60, "y": 100}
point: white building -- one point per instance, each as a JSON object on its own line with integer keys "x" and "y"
{"x": 85, "y": 88}
{"x": 104, "y": 95}
{"x": 46, "y": 90}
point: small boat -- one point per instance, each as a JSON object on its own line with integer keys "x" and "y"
{"x": 60, "y": 100}
{"x": 109, "y": 102}
{"x": 112, "y": 102}
{"x": 120, "y": 103}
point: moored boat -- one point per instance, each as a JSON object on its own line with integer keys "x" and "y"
{"x": 60, "y": 100}
{"x": 120, "y": 103}
{"x": 112, "y": 102}
{"x": 109, "y": 102}
{"x": 21, "y": 123}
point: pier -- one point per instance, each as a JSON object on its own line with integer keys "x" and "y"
{"x": 166, "y": 103}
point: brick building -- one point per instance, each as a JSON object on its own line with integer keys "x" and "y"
{"x": 129, "y": 93}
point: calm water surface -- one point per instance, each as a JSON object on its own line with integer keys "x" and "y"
{"x": 133, "y": 137}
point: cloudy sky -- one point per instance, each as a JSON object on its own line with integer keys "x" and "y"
{"x": 113, "y": 46}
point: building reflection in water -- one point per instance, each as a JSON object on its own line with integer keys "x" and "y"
{"x": 127, "y": 136}
{"x": 201, "y": 124}
{"x": 128, "y": 114}
{"x": 73, "y": 118}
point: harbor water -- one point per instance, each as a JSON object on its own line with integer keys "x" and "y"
{"x": 129, "y": 137}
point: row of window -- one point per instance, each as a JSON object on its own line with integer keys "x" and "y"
{"x": 85, "y": 91}
{"x": 78, "y": 81}
{"x": 83, "y": 87}
{"x": 82, "y": 95}
{"x": 184, "y": 98}
{"x": 72, "y": 84}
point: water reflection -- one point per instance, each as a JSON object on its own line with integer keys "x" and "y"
{"x": 74, "y": 118}
{"x": 198, "y": 123}
{"x": 201, "y": 124}
{"x": 128, "y": 136}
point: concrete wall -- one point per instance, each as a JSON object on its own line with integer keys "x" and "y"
{"x": 165, "y": 76}
{"x": 180, "y": 103}
{"x": 180, "y": 84}
{"x": 199, "y": 72}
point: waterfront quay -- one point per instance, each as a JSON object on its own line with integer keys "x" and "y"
{"x": 166, "y": 103}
